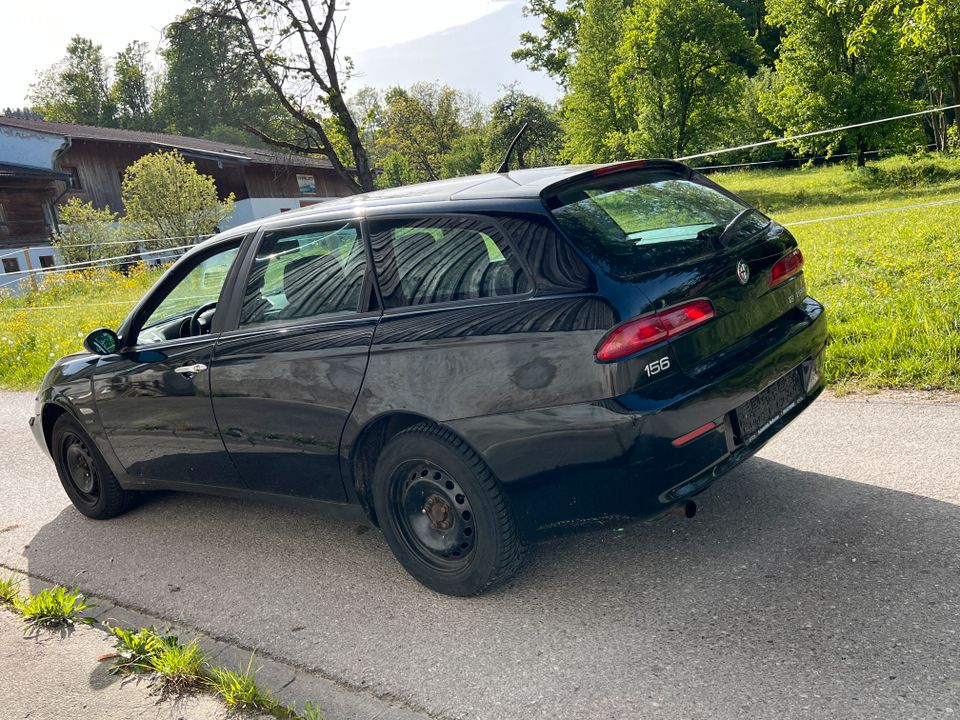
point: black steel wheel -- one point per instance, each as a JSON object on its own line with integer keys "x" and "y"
{"x": 444, "y": 513}
{"x": 84, "y": 474}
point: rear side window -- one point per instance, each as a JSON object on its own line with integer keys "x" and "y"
{"x": 305, "y": 272}
{"x": 433, "y": 260}
{"x": 633, "y": 222}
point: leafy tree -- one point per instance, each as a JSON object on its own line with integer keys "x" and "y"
{"x": 166, "y": 198}
{"x": 76, "y": 89}
{"x": 424, "y": 121}
{"x": 294, "y": 47}
{"x": 839, "y": 64}
{"x": 87, "y": 233}
{"x": 682, "y": 74}
{"x": 932, "y": 30}
{"x": 208, "y": 81}
{"x": 130, "y": 92}
{"x": 540, "y": 144}
{"x": 465, "y": 156}
{"x": 553, "y": 51}
{"x": 594, "y": 122}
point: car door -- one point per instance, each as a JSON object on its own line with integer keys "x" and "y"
{"x": 153, "y": 397}
{"x": 285, "y": 381}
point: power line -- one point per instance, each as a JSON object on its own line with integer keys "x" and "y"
{"x": 819, "y": 132}
{"x": 872, "y": 212}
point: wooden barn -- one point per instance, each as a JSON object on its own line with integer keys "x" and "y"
{"x": 43, "y": 164}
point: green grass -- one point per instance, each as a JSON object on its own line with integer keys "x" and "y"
{"x": 239, "y": 688}
{"x": 52, "y": 608}
{"x": 9, "y": 590}
{"x": 32, "y": 336}
{"x": 890, "y": 282}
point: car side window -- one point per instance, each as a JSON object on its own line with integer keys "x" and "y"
{"x": 199, "y": 288}
{"x": 305, "y": 272}
{"x": 439, "y": 259}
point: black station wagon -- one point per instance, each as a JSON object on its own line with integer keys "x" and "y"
{"x": 467, "y": 361}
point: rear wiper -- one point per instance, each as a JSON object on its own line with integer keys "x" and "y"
{"x": 737, "y": 221}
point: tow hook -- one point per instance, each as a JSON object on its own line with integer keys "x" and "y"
{"x": 686, "y": 509}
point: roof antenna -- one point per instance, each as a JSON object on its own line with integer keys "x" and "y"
{"x": 505, "y": 165}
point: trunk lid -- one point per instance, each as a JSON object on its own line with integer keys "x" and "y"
{"x": 674, "y": 236}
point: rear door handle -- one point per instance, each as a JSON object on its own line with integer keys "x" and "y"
{"x": 188, "y": 370}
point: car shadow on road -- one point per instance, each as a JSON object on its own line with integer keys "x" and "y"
{"x": 781, "y": 568}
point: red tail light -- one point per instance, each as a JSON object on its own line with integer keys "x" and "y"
{"x": 637, "y": 335}
{"x": 786, "y": 267}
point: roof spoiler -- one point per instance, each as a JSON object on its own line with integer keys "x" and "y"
{"x": 618, "y": 167}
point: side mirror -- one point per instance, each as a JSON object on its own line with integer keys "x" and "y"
{"x": 102, "y": 341}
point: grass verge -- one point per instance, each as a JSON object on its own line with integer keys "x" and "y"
{"x": 172, "y": 666}
{"x": 889, "y": 281}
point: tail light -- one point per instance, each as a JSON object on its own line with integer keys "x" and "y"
{"x": 637, "y": 335}
{"x": 786, "y": 267}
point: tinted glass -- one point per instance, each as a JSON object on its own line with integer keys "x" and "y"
{"x": 199, "y": 287}
{"x": 434, "y": 260}
{"x": 633, "y": 222}
{"x": 305, "y": 272}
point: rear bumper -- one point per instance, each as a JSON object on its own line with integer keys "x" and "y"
{"x": 616, "y": 458}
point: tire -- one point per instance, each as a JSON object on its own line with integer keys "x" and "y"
{"x": 86, "y": 478}
{"x": 444, "y": 513}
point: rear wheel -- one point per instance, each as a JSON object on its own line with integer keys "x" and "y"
{"x": 444, "y": 513}
{"x": 84, "y": 474}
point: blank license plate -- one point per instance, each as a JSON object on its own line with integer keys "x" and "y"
{"x": 757, "y": 413}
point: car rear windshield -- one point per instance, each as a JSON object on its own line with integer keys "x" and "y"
{"x": 635, "y": 222}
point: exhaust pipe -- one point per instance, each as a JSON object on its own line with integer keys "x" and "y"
{"x": 687, "y": 509}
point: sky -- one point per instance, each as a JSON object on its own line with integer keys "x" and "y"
{"x": 465, "y": 43}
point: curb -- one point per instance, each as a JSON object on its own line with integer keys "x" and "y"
{"x": 291, "y": 685}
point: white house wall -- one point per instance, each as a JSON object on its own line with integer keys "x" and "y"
{"x": 25, "y": 147}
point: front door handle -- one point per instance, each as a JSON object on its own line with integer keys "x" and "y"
{"x": 188, "y": 370}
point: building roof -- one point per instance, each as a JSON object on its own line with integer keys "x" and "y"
{"x": 28, "y": 172}
{"x": 215, "y": 149}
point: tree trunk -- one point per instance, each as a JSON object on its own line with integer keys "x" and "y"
{"x": 955, "y": 89}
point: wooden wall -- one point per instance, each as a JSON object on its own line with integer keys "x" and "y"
{"x": 275, "y": 181}
{"x": 25, "y": 223}
{"x": 100, "y": 167}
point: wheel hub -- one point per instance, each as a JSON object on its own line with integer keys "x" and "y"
{"x": 438, "y": 510}
{"x": 81, "y": 469}
{"x": 433, "y": 514}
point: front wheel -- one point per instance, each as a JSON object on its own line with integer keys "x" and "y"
{"x": 444, "y": 513}
{"x": 84, "y": 474}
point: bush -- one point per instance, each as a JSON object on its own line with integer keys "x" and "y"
{"x": 87, "y": 233}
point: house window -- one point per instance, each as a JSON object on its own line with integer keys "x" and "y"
{"x": 74, "y": 177}
{"x": 46, "y": 261}
{"x": 11, "y": 265}
{"x": 307, "y": 184}
{"x": 4, "y": 227}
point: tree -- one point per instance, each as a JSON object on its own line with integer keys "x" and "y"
{"x": 130, "y": 91}
{"x": 167, "y": 199}
{"x": 932, "y": 30}
{"x": 593, "y": 121}
{"x": 540, "y": 144}
{"x": 86, "y": 233}
{"x": 294, "y": 47}
{"x": 553, "y": 51}
{"x": 75, "y": 89}
{"x": 839, "y": 64}
{"x": 208, "y": 83}
{"x": 424, "y": 121}
{"x": 681, "y": 74}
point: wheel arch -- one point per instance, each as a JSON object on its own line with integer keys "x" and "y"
{"x": 366, "y": 449}
{"x": 51, "y": 412}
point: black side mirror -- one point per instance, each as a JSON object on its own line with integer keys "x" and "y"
{"x": 102, "y": 341}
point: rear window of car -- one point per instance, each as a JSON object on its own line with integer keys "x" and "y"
{"x": 635, "y": 222}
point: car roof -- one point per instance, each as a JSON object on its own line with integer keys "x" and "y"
{"x": 528, "y": 183}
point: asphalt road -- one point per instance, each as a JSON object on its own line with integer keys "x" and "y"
{"x": 819, "y": 580}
